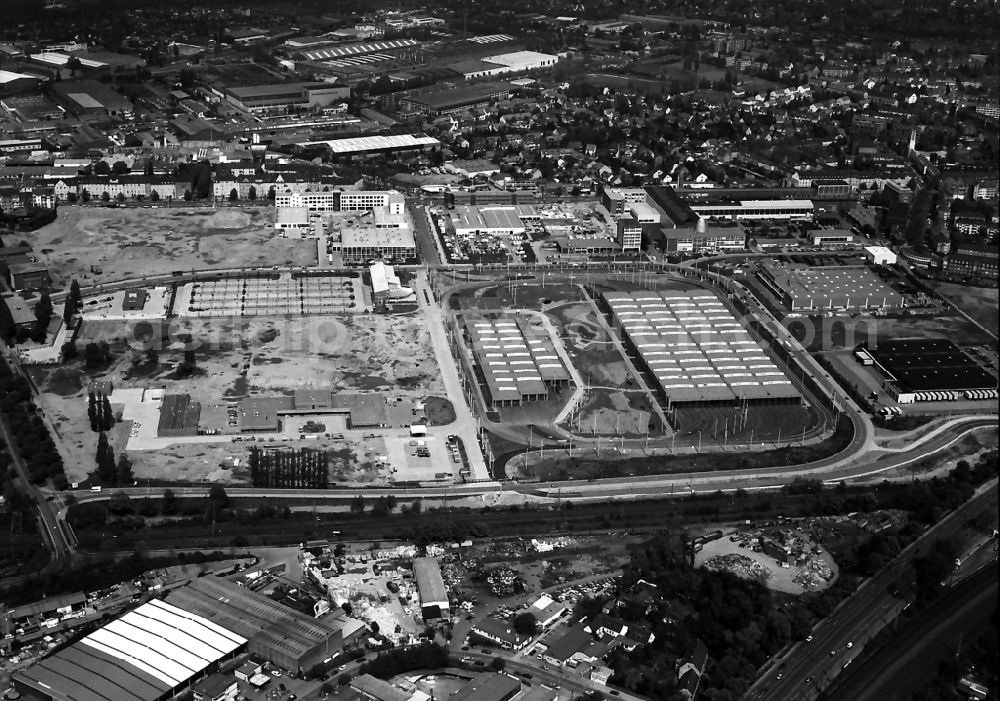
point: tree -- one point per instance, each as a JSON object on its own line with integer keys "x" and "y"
{"x": 105, "y": 197}
{"x": 233, "y": 195}
{"x": 107, "y": 414}
{"x": 252, "y": 193}
{"x": 69, "y": 350}
{"x": 120, "y": 504}
{"x": 43, "y": 308}
{"x": 74, "y": 294}
{"x": 102, "y": 447}
{"x": 344, "y": 679}
{"x": 169, "y": 506}
{"x": 85, "y": 196}
{"x": 120, "y": 197}
{"x": 358, "y": 504}
{"x": 119, "y": 168}
{"x": 154, "y": 196}
{"x": 124, "y": 475}
{"x": 498, "y": 664}
{"x": 348, "y": 609}
{"x": 217, "y": 496}
{"x": 525, "y": 623}
{"x": 102, "y": 168}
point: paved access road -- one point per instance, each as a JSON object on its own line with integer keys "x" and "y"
{"x": 810, "y": 665}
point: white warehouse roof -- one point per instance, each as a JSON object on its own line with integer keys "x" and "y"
{"x": 375, "y": 143}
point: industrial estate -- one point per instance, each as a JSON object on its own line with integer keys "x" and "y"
{"x": 551, "y": 354}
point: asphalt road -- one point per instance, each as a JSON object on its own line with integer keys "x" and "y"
{"x": 857, "y": 618}
{"x": 911, "y": 659}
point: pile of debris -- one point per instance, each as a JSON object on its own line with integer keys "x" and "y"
{"x": 740, "y": 565}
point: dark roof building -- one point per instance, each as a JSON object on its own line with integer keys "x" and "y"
{"x": 178, "y": 416}
{"x": 930, "y": 365}
{"x": 489, "y": 687}
{"x": 279, "y": 634}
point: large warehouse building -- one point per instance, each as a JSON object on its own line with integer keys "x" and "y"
{"x": 150, "y": 653}
{"x": 696, "y": 350}
{"x": 289, "y": 639}
{"x": 927, "y": 370}
{"x": 517, "y": 363}
{"x": 807, "y": 288}
{"x": 375, "y": 145}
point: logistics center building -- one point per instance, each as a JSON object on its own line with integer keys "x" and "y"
{"x": 696, "y": 350}
{"x": 807, "y": 288}
{"x": 151, "y": 653}
{"x": 928, "y": 370}
{"x": 517, "y": 363}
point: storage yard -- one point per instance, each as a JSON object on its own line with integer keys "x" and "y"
{"x": 783, "y": 558}
{"x": 93, "y": 244}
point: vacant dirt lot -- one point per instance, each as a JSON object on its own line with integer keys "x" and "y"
{"x": 234, "y": 359}
{"x": 124, "y": 243}
{"x": 978, "y": 302}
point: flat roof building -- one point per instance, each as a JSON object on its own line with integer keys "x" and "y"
{"x": 148, "y": 654}
{"x": 258, "y": 98}
{"x": 924, "y": 367}
{"x": 808, "y": 288}
{"x": 518, "y": 363}
{"x": 696, "y": 349}
{"x": 287, "y": 638}
{"x": 364, "y": 245}
{"x": 455, "y": 100}
{"x": 179, "y": 416}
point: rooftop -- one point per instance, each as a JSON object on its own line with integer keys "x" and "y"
{"x": 362, "y": 144}
{"x": 139, "y": 657}
{"x": 430, "y": 584}
{"x": 696, "y": 348}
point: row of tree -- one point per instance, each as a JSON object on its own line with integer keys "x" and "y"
{"x": 31, "y": 435}
{"x": 303, "y": 469}
{"x": 111, "y": 472}
{"x": 99, "y": 412}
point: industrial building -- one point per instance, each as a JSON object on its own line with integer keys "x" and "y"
{"x": 281, "y": 96}
{"x": 375, "y": 145}
{"x": 487, "y": 221}
{"x": 696, "y": 349}
{"x": 149, "y": 654}
{"x": 179, "y": 416}
{"x": 91, "y": 98}
{"x": 518, "y": 364}
{"x": 807, "y": 288}
{"x": 283, "y": 636}
{"x": 455, "y": 100}
{"x": 925, "y": 370}
{"x": 783, "y": 210}
{"x": 431, "y": 588}
{"x": 502, "y": 64}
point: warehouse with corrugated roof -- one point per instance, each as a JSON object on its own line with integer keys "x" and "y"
{"x": 150, "y": 653}
{"x": 275, "y": 632}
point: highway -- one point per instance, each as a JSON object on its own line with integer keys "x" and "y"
{"x": 911, "y": 658}
{"x": 809, "y": 666}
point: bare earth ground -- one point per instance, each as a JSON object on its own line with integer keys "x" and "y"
{"x": 348, "y": 354}
{"x": 780, "y": 579}
{"x": 132, "y": 242}
{"x": 978, "y": 302}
